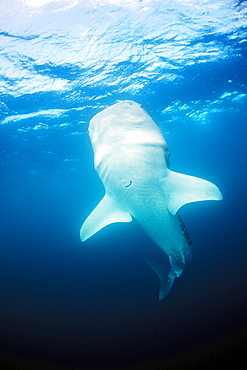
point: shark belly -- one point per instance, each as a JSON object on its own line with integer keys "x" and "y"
{"x": 135, "y": 180}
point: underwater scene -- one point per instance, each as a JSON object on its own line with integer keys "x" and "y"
{"x": 123, "y": 184}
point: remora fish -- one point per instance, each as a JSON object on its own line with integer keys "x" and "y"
{"x": 132, "y": 160}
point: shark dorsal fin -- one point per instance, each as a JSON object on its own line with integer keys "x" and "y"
{"x": 106, "y": 212}
{"x": 181, "y": 189}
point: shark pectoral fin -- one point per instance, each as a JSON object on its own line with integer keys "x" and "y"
{"x": 106, "y": 212}
{"x": 166, "y": 277}
{"x": 181, "y": 189}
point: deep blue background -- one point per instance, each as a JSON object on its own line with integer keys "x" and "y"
{"x": 67, "y": 305}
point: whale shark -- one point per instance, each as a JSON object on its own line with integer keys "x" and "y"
{"x": 131, "y": 158}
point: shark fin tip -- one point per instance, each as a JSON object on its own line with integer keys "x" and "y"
{"x": 166, "y": 278}
{"x": 166, "y": 284}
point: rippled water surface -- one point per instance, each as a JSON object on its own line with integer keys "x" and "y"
{"x": 72, "y": 305}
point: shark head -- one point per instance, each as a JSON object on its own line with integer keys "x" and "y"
{"x": 124, "y": 124}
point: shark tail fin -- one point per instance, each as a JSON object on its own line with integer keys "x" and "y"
{"x": 166, "y": 277}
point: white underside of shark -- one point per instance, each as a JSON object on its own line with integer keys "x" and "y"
{"x": 132, "y": 160}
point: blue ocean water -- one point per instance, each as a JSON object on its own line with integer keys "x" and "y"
{"x": 68, "y": 305}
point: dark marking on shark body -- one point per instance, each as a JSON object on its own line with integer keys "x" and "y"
{"x": 128, "y": 184}
{"x": 185, "y": 231}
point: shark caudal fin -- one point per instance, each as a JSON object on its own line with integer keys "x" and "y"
{"x": 166, "y": 277}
